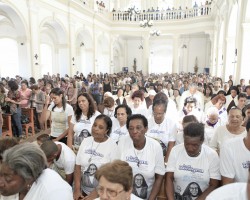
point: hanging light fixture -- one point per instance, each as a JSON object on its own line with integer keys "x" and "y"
{"x": 146, "y": 23}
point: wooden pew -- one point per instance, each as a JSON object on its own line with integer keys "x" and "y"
{"x": 29, "y": 112}
{"x": 7, "y": 129}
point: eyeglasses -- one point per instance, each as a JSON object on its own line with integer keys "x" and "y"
{"x": 110, "y": 193}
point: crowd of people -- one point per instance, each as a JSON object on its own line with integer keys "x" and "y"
{"x": 124, "y": 135}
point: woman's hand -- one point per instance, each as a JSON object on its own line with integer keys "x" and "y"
{"x": 78, "y": 195}
{"x": 93, "y": 195}
{"x": 7, "y": 99}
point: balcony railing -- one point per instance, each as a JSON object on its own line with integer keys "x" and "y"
{"x": 163, "y": 15}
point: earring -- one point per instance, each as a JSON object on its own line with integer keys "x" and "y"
{"x": 28, "y": 187}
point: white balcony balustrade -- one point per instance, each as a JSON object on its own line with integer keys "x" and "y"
{"x": 163, "y": 15}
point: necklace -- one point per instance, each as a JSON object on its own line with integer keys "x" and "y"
{"x": 137, "y": 157}
{"x": 93, "y": 151}
{"x": 195, "y": 154}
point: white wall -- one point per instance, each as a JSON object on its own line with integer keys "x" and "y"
{"x": 197, "y": 47}
{"x": 133, "y": 52}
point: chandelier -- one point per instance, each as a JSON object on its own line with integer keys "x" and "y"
{"x": 155, "y": 33}
{"x": 146, "y": 23}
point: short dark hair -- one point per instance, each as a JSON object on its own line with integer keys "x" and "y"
{"x": 189, "y": 119}
{"x": 6, "y": 143}
{"x": 194, "y": 129}
{"x": 107, "y": 120}
{"x": 49, "y": 148}
{"x": 13, "y": 85}
{"x": 190, "y": 100}
{"x": 126, "y": 107}
{"x": 242, "y": 95}
{"x": 160, "y": 102}
{"x": 138, "y": 94}
{"x": 138, "y": 116}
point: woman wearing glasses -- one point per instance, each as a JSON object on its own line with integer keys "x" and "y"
{"x": 144, "y": 155}
{"x": 115, "y": 181}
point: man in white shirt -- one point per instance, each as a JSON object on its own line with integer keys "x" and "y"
{"x": 192, "y": 91}
{"x": 62, "y": 156}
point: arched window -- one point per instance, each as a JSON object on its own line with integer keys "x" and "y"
{"x": 9, "y": 63}
{"x": 198, "y": 2}
{"x": 165, "y": 4}
{"x": 46, "y": 58}
{"x": 135, "y": 3}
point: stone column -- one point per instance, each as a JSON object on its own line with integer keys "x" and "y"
{"x": 229, "y": 59}
{"x": 34, "y": 39}
{"x": 145, "y": 56}
{"x": 243, "y": 54}
{"x": 175, "y": 64}
{"x": 72, "y": 52}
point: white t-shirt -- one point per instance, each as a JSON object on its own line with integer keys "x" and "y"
{"x": 193, "y": 171}
{"x": 145, "y": 164}
{"x": 140, "y": 110}
{"x": 199, "y": 114}
{"x": 233, "y": 191}
{"x": 67, "y": 159}
{"x": 165, "y": 131}
{"x": 59, "y": 119}
{"x": 91, "y": 156}
{"x": 117, "y": 130}
{"x": 50, "y": 186}
{"x": 210, "y": 129}
{"x": 82, "y": 128}
{"x": 235, "y": 160}
{"x": 171, "y": 110}
{"x": 132, "y": 197}
{"x": 221, "y": 135}
{"x": 197, "y": 95}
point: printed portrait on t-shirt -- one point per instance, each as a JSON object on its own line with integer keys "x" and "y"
{"x": 140, "y": 187}
{"x": 89, "y": 179}
{"x": 177, "y": 194}
{"x": 79, "y": 138}
{"x": 192, "y": 191}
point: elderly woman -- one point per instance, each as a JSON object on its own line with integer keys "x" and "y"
{"x": 95, "y": 151}
{"x": 115, "y": 181}
{"x": 233, "y": 129}
{"x": 212, "y": 122}
{"x": 81, "y": 123}
{"x": 60, "y": 113}
{"x": 23, "y": 174}
{"x": 144, "y": 155}
{"x": 192, "y": 162}
{"x": 219, "y": 102}
{"x": 138, "y": 107}
{"x": 122, "y": 112}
